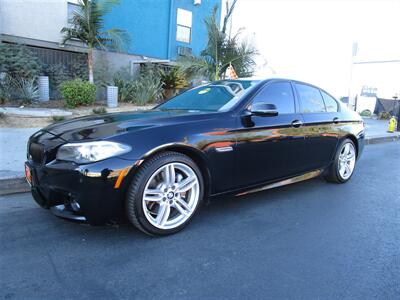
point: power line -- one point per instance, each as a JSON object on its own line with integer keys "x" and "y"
{"x": 376, "y": 62}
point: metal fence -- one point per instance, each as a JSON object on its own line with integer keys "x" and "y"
{"x": 57, "y": 57}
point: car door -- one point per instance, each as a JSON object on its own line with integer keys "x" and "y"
{"x": 321, "y": 119}
{"x": 270, "y": 147}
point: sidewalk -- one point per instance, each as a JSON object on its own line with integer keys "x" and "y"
{"x": 13, "y": 151}
{"x": 13, "y": 148}
{"x": 376, "y": 131}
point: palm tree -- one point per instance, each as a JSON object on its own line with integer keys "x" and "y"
{"x": 88, "y": 27}
{"x": 221, "y": 51}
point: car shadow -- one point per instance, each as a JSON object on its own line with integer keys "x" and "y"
{"x": 217, "y": 211}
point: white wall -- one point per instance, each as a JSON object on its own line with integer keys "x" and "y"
{"x": 366, "y": 103}
{"x": 35, "y": 19}
{"x": 384, "y": 76}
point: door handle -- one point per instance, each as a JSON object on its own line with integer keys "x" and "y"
{"x": 297, "y": 123}
{"x": 336, "y": 120}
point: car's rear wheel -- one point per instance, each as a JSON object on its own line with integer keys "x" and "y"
{"x": 164, "y": 194}
{"x": 344, "y": 163}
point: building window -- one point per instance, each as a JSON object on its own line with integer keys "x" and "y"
{"x": 183, "y": 25}
{"x": 72, "y": 8}
{"x": 184, "y": 51}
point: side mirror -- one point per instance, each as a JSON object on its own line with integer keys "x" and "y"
{"x": 264, "y": 110}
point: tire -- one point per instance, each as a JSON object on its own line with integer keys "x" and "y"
{"x": 159, "y": 201}
{"x": 335, "y": 173}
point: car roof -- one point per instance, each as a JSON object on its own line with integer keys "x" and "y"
{"x": 266, "y": 79}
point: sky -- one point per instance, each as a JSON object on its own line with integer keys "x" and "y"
{"x": 311, "y": 40}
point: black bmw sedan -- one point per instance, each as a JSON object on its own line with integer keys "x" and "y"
{"x": 157, "y": 166}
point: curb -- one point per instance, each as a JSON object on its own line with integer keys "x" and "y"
{"x": 381, "y": 139}
{"x": 13, "y": 186}
{"x": 19, "y": 184}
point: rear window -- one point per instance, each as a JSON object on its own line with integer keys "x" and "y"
{"x": 311, "y": 99}
{"x": 330, "y": 103}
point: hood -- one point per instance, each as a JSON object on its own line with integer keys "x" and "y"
{"x": 107, "y": 125}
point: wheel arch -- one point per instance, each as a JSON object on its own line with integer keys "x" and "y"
{"x": 196, "y": 155}
{"x": 354, "y": 140}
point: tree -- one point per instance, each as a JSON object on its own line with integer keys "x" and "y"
{"x": 88, "y": 27}
{"x": 18, "y": 61}
{"x": 221, "y": 51}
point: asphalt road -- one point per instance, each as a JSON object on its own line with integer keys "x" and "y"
{"x": 311, "y": 240}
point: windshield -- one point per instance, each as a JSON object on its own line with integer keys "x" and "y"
{"x": 213, "y": 97}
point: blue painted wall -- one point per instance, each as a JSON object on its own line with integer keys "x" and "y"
{"x": 151, "y": 25}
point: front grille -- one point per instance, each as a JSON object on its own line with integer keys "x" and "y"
{"x": 36, "y": 153}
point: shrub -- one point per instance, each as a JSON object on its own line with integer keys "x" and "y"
{"x": 384, "y": 115}
{"x": 18, "y": 61}
{"x": 77, "y": 92}
{"x": 58, "y": 118}
{"x": 57, "y": 75}
{"x": 27, "y": 89}
{"x": 125, "y": 89}
{"x": 172, "y": 80}
{"x": 79, "y": 68}
{"x": 146, "y": 87}
{"x": 366, "y": 113}
{"x": 7, "y": 87}
{"x": 99, "y": 110}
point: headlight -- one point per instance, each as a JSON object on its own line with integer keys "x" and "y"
{"x": 82, "y": 153}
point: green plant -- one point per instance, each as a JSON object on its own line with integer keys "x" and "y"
{"x": 125, "y": 89}
{"x": 77, "y": 92}
{"x": 366, "y": 113}
{"x": 146, "y": 87}
{"x": 172, "y": 80}
{"x": 78, "y": 68}
{"x": 27, "y": 89}
{"x": 18, "y": 61}
{"x": 58, "y": 118}
{"x": 88, "y": 27}
{"x": 384, "y": 115}
{"x": 7, "y": 87}
{"x": 99, "y": 110}
{"x": 222, "y": 50}
{"x": 57, "y": 74}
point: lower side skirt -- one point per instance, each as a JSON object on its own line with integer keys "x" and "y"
{"x": 295, "y": 179}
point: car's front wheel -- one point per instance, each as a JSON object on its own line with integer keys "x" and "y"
{"x": 164, "y": 194}
{"x": 344, "y": 163}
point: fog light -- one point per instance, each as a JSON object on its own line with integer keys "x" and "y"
{"x": 75, "y": 206}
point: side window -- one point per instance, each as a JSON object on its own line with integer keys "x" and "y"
{"x": 330, "y": 103}
{"x": 311, "y": 99}
{"x": 278, "y": 93}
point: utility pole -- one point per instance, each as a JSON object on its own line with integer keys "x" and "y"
{"x": 398, "y": 112}
{"x": 350, "y": 104}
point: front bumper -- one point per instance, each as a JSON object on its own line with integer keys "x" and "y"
{"x": 82, "y": 192}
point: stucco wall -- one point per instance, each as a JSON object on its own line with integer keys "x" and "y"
{"x": 35, "y": 19}
{"x": 113, "y": 62}
{"x": 152, "y": 25}
{"x": 199, "y": 31}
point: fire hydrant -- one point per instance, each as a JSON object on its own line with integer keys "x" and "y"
{"x": 392, "y": 124}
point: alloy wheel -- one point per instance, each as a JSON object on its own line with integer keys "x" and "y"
{"x": 171, "y": 195}
{"x": 346, "y": 161}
